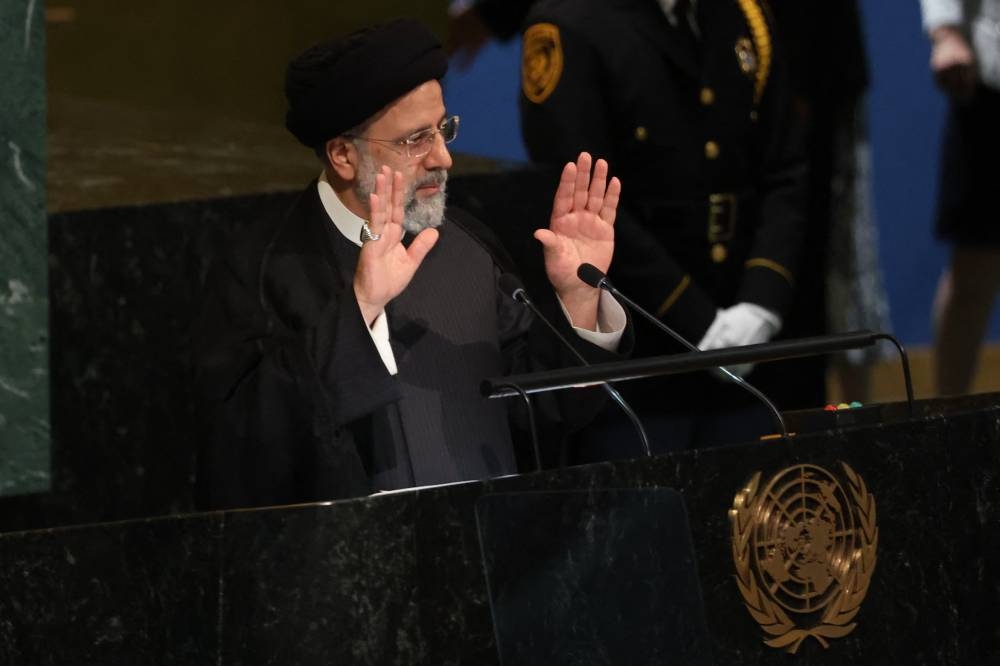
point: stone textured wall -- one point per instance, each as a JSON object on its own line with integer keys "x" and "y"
{"x": 24, "y": 375}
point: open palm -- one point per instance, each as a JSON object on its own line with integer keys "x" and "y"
{"x": 581, "y": 229}
{"x": 386, "y": 266}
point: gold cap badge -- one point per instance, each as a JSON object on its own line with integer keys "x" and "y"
{"x": 804, "y": 546}
{"x": 541, "y": 62}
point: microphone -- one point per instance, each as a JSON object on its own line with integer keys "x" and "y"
{"x": 595, "y": 277}
{"x": 511, "y": 285}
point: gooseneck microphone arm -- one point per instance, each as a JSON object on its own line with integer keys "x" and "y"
{"x": 511, "y": 285}
{"x": 595, "y": 277}
{"x": 532, "y": 429}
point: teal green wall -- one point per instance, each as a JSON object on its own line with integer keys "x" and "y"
{"x": 24, "y": 376}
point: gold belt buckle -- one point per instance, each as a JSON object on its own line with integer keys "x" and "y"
{"x": 721, "y": 217}
{"x": 721, "y": 224}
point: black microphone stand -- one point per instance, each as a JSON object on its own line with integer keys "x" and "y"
{"x": 512, "y": 286}
{"x": 656, "y": 366}
{"x": 596, "y": 278}
{"x": 532, "y": 429}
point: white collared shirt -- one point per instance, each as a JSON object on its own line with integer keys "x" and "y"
{"x": 611, "y": 318}
{"x": 349, "y": 225}
{"x": 668, "y": 8}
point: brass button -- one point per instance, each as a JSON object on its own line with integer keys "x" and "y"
{"x": 641, "y": 133}
{"x": 719, "y": 253}
{"x": 707, "y": 96}
{"x": 711, "y": 150}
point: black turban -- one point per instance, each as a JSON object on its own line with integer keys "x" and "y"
{"x": 338, "y": 84}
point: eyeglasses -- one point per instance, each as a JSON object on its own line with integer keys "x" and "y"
{"x": 420, "y": 143}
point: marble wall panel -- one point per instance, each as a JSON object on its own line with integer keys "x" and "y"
{"x": 24, "y": 366}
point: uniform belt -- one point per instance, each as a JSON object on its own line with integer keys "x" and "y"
{"x": 720, "y": 212}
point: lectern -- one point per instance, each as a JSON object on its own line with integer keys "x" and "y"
{"x": 872, "y": 539}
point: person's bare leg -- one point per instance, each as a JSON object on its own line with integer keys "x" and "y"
{"x": 962, "y": 307}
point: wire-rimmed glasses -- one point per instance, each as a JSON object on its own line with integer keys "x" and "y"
{"x": 419, "y": 143}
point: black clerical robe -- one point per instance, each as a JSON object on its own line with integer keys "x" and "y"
{"x": 298, "y": 404}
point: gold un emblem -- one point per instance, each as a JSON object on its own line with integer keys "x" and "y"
{"x": 804, "y": 546}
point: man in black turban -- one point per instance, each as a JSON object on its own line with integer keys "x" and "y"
{"x": 343, "y": 345}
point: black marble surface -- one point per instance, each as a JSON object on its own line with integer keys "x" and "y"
{"x": 596, "y": 576}
{"x": 123, "y": 292}
{"x": 939, "y": 507}
{"x": 132, "y": 593}
{"x": 399, "y": 578}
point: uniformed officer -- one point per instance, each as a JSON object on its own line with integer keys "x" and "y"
{"x": 691, "y": 107}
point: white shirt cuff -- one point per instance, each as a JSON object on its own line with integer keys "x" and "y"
{"x": 611, "y": 322}
{"x": 380, "y": 336}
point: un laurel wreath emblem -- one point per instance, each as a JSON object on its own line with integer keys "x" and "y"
{"x": 804, "y": 547}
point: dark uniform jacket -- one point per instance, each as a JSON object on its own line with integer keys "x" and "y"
{"x": 700, "y": 133}
{"x": 298, "y": 404}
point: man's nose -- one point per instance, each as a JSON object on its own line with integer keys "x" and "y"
{"x": 439, "y": 157}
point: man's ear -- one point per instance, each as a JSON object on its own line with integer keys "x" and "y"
{"x": 342, "y": 156}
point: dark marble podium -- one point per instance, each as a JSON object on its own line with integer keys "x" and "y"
{"x": 407, "y": 578}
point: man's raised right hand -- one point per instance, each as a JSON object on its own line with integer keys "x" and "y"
{"x": 386, "y": 266}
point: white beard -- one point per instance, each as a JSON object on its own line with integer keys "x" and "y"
{"x": 418, "y": 214}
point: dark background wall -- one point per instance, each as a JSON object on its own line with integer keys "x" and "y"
{"x": 124, "y": 284}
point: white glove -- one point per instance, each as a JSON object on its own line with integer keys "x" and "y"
{"x": 739, "y": 325}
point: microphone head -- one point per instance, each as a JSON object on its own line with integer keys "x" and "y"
{"x": 512, "y": 286}
{"x": 591, "y": 275}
